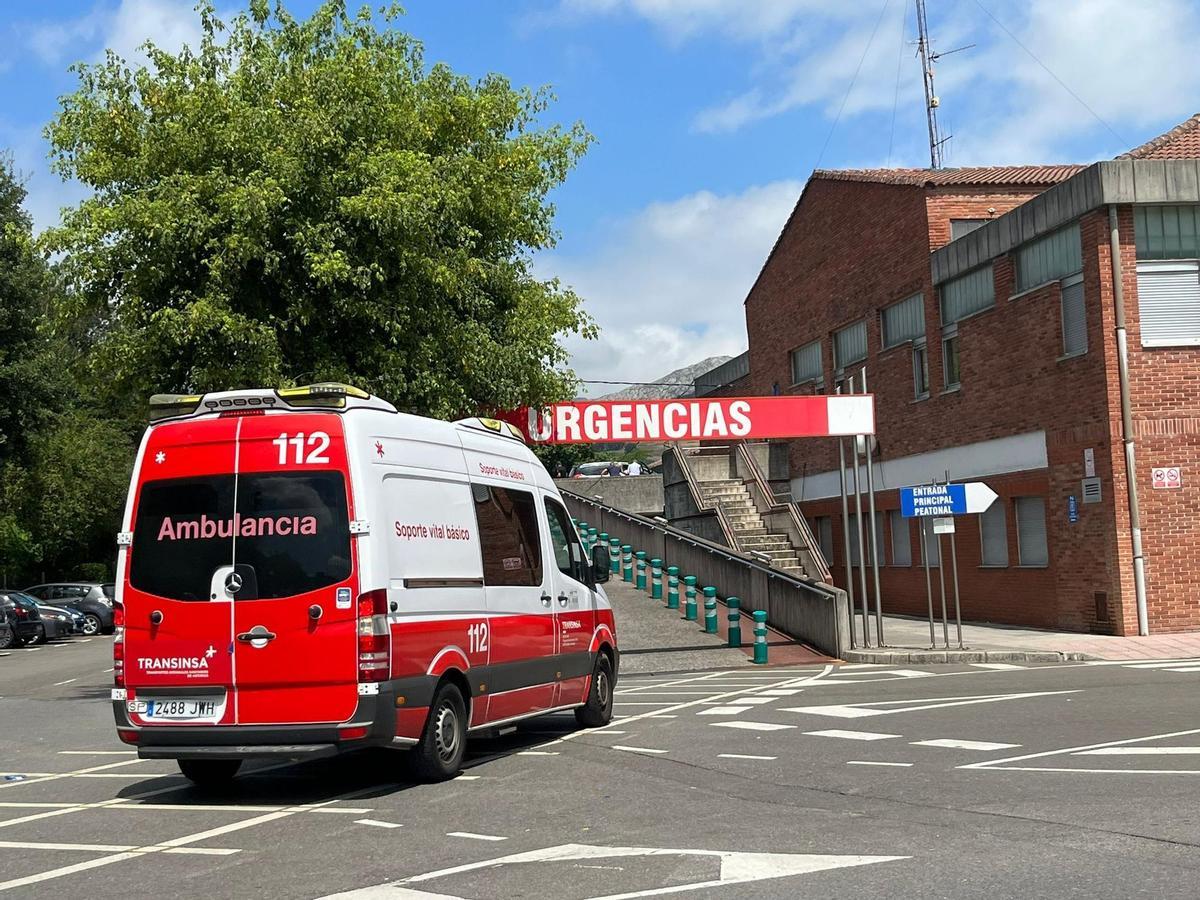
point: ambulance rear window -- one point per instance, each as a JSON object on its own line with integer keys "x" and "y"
{"x": 292, "y": 528}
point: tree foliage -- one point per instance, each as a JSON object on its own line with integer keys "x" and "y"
{"x": 307, "y": 200}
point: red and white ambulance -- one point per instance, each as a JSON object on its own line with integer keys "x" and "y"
{"x": 307, "y": 571}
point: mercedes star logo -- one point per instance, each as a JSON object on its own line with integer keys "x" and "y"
{"x": 233, "y": 583}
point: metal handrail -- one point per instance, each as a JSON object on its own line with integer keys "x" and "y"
{"x": 678, "y": 534}
{"x": 727, "y": 528}
{"x": 798, "y": 520}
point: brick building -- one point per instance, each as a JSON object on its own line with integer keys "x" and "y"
{"x": 981, "y": 303}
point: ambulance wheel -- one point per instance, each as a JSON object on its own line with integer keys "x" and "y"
{"x": 597, "y": 712}
{"x": 209, "y": 773}
{"x": 439, "y": 753}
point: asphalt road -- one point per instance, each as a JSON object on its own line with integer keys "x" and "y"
{"x": 1075, "y": 780}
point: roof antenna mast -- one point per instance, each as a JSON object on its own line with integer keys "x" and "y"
{"x": 928, "y": 58}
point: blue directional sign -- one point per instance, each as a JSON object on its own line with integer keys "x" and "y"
{"x": 945, "y": 499}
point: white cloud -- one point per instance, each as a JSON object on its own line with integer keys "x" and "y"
{"x": 666, "y": 284}
{"x": 123, "y": 28}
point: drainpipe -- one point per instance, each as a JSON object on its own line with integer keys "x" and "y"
{"x": 1135, "y": 519}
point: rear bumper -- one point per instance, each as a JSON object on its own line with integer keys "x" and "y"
{"x": 376, "y": 712}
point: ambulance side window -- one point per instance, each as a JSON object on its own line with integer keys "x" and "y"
{"x": 508, "y": 536}
{"x": 568, "y": 552}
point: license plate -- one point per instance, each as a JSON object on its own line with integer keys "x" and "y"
{"x": 197, "y": 708}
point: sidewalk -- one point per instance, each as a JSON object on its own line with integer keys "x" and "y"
{"x": 655, "y": 639}
{"x": 908, "y": 642}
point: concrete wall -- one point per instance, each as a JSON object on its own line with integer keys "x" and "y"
{"x": 680, "y": 509}
{"x": 641, "y": 494}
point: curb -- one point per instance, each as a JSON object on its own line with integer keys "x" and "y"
{"x": 889, "y": 656}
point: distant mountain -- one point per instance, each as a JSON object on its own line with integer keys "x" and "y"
{"x": 670, "y": 384}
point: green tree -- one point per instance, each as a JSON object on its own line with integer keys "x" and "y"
{"x": 307, "y": 200}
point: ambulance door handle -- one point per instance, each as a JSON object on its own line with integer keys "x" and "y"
{"x": 546, "y": 599}
{"x": 257, "y": 633}
{"x": 563, "y": 600}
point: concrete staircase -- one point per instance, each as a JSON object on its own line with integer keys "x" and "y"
{"x": 749, "y": 529}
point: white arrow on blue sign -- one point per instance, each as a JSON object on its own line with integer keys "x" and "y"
{"x": 945, "y": 499}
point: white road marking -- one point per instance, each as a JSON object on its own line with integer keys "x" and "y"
{"x": 97, "y": 753}
{"x": 852, "y": 735}
{"x": 1185, "y": 669}
{"x": 756, "y": 701}
{"x": 111, "y": 848}
{"x": 723, "y": 710}
{"x": 1151, "y": 665}
{"x": 1128, "y": 662}
{"x": 475, "y": 837}
{"x": 636, "y": 749}
{"x": 879, "y": 707}
{"x": 466, "y": 777}
{"x": 377, "y": 823}
{"x": 1140, "y": 751}
{"x": 670, "y": 693}
{"x": 642, "y": 703}
{"x": 965, "y": 745}
{"x": 744, "y": 756}
{"x": 537, "y": 753}
{"x": 868, "y": 762}
{"x": 1000, "y": 667}
{"x": 107, "y": 671}
{"x": 57, "y": 775}
{"x": 753, "y": 726}
{"x": 782, "y": 692}
{"x": 1001, "y": 765}
{"x": 860, "y": 666}
{"x": 61, "y": 683}
{"x": 661, "y": 717}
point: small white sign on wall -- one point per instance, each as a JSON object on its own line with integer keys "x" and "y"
{"x": 1089, "y": 463}
{"x": 1166, "y": 477}
{"x": 944, "y": 525}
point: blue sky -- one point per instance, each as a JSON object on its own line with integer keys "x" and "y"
{"x": 709, "y": 115}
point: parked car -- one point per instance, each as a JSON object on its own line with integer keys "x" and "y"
{"x": 6, "y": 632}
{"x": 594, "y": 469}
{"x": 29, "y": 624}
{"x": 93, "y": 600}
{"x": 73, "y": 618}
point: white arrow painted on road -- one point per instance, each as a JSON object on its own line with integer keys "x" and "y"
{"x": 736, "y": 868}
{"x": 892, "y": 707}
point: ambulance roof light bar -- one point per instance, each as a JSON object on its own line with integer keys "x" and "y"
{"x": 325, "y": 395}
{"x": 496, "y": 426}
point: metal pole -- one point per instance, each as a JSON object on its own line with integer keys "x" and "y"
{"x": 954, "y": 567}
{"x": 846, "y": 531}
{"x": 942, "y": 580}
{"x": 1135, "y": 518}
{"x": 928, "y": 583}
{"x": 874, "y": 536}
{"x": 862, "y": 550}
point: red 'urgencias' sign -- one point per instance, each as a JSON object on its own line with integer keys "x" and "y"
{"x": 700, "y": 419}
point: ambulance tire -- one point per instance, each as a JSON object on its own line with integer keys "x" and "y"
{"x": 597, "y": 712}
{"x": 439, "y": 753}
{"x": 209, "y": 773}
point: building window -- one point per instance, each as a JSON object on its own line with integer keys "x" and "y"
{"x": 968, "y": 294}
{"x": 1169, "y": 303}
{"x": 855, "y": 555}
{"x": 1049, "y": 258}
{"x": 901, "y": 539}
{"x": 822, "y": 527}
{"x": 962, "y": 227}
{"x": 951, "y": 377}
{"x": 993, "y": 532}
{"x": 806, "y": 363}
{"x": 1074, "y": 317}
{"x": 903, "y": 321}
{"x": 920, "y": 370}
{"x": 850, "y": 345}
{"x": 1167, "y": 232}
{"x": 1031, "y": 532}
{"x": 929, "y": 544}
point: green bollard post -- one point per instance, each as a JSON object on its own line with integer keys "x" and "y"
{"x": 656, "y": 585}
{"x": 614, "y": 555}
{"x": 627, "y": 563}
{"x": 673, "y": 587}
{"x": 735, "y": 621}
{"x": 710, "y": 610}
{"x": 641, "y": 570}
{"x": 689, "y": 593}
{"x": 591, "y": 541}
{"x": 760, "y": 636}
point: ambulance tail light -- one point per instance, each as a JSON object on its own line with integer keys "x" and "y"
{"x": 374, "y": 637}
{"x": 118, "y": 645}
